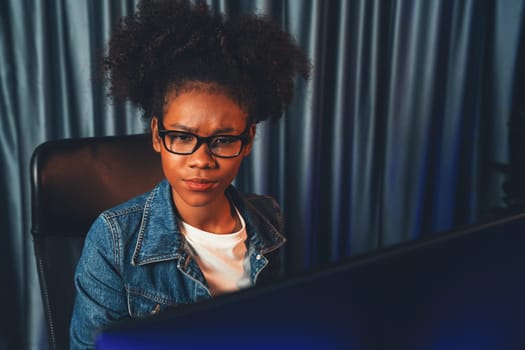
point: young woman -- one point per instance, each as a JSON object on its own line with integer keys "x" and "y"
{"x": 204, "y": 82}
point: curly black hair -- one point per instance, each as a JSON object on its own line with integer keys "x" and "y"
{"x": 167, "y": 46}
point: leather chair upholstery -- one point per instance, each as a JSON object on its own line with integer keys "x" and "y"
{"x": 73, "y": 180}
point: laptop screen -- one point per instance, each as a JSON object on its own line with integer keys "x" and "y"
{"x": 458, "y": 290}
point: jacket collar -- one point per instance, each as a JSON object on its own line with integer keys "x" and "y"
{"x": 263, "y": 235}
{"x": 160, "y": 239}
{"x": 159, "y": 236}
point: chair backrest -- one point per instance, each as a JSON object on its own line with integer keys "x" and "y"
{"x": 73, "y": 181}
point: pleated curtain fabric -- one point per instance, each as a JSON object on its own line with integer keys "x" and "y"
{"x": 402, "y": 131}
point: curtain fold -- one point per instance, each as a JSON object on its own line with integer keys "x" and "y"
{"x": 403, "y": 130}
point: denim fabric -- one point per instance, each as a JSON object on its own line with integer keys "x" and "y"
{"x": 135, "y": 262}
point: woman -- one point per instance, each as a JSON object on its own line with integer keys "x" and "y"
{"x": 204, "y": 82}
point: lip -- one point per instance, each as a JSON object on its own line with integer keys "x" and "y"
{"x": 200, "y": 184}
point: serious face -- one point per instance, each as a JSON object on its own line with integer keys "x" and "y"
{"x": 199, "y": 179}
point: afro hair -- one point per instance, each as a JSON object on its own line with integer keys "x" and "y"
{"x": 167, "y": 46}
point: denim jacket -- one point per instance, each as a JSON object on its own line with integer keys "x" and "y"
{"x": 136, "y": 263}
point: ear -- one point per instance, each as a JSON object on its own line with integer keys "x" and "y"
{"x": 248, "y": 147}
{"x": 155, "y": 139}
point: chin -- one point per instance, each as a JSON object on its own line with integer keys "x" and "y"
{"x": 197, "y": 203}
{"x": 198, "y": 199}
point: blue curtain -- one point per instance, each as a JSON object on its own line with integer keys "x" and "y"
{"x": 403, "y": 130}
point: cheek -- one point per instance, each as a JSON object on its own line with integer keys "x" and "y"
{"x": 171, "y": 165}
{"x": 232, "y": 169}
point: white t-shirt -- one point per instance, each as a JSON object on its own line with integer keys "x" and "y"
{"x": 221, "y": 257}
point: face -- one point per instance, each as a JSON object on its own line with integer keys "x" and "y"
{"x": 198, "y": 180}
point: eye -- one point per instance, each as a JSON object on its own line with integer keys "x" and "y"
{"x": 223, "y": 141}
{"x": 226, "y": 145}
{"x": 180, "y": 138}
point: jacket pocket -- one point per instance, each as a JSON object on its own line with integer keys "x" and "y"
{"x": 143, "y": 303}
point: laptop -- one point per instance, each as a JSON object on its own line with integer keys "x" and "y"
{"x": 464, "y": 289}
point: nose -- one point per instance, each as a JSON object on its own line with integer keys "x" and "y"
{"x": 202, "y": 158}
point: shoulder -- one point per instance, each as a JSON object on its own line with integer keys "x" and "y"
{"x": 253, "y": 201}
{"x": 260, "y": 209}
{"x": 139, "y": 203}
{"x": 124, "y": 220}
{"x": 129, "y": 207}
{"x": 264, "y": 203}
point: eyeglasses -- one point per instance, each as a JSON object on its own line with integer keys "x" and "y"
{"x": 185, "y": 143}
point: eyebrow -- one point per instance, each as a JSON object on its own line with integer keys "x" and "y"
{"x": 182, "y": 127}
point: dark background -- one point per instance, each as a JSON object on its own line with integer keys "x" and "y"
{"x": 412, "y": 124}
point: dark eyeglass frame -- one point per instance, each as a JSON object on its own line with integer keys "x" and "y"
{"x": 244, "y": 137}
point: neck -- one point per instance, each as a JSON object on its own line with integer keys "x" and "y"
{"x": 218, "y": 217}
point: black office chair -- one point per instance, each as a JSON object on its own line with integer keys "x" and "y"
{"x": 73, "y": 180}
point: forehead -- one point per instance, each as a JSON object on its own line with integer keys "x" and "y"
{"x": 204, "y": 111}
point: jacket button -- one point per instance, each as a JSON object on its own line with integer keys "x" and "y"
{"x": 258, "y": 257}
{"x": 155, "y": 310}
